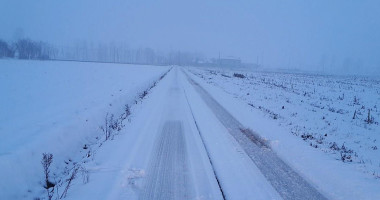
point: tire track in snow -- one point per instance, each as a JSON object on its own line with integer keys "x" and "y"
{"x": 207, "y": 152}
{"x": 288, "y": 183}
{"x": 167, "y": 172}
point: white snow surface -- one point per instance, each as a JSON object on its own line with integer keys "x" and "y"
{"x": 123, "y": 166}
{"x": 257, "y": 100}
{"x": 57, "y": 107}
{"x": 173, "y": 146}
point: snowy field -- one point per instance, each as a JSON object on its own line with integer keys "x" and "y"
{"x": 148, "y": 132}
{"x": 58, "y": 107}
{"x": 337, "y": 115}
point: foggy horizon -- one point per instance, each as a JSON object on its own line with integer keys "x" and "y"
{"x": 325, "y": 36}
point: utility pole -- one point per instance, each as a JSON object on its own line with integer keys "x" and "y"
{"x": 219, "y": 59}
{"x": 257, "y": 61}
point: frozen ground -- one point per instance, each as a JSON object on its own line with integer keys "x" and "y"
{"x": 309, "y": 122}
{"x": 186, "y": 134}
{"x": 288, "y": 183}
{"x": 57, "y": 107}
{"x": 327, "y": 112}
{"x": 162, "y": 155}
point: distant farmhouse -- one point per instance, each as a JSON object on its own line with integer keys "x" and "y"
{"x": 228, "y": 62}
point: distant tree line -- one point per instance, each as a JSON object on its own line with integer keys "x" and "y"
{"x": 122, "y": 53}
{"x": 83, "y": 51}
{"x": 27, "y": 49}
{"x": 6, "y": 50}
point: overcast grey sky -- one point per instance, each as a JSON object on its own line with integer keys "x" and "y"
{"x": 341, "y": 35}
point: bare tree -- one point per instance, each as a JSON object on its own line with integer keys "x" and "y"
{"x": 5, "y": 50}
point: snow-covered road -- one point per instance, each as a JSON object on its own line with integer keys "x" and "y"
{"x": 288, "y": 183}
{"x": 168, "y": 177}
{"x": 173, "y": 171}
{"x": 184, "y": 145}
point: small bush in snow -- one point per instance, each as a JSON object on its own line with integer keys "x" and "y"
{"x": 111, "y": 125}
{"x": 239, "y": 75}
{"x": 143, "y": 94}
{"x": 307, "y": 136}
{"x": 127, "y": 110}
{"x": 356, "y": 100}
{"x": 47, "y": 159}
{"x": 369, "y": 119}
{"x": 345, "y": 157}
{"x": 334, "y": 147}
{"x": 106, "y": 128}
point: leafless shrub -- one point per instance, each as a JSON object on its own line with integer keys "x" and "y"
{"x": 307, "y": 136}
{"x": 127, "y": 110}
{"x": 341, "y": 97}
{"x": 69, "y": 180}
{"x": 346, "y": 154}
{"x": 106, "y": 128}
{"x": 345, "y": 157}
{"x": 111, "y": 124}
{"x": 143, "y": 94}
{"x": 47, "y": 159}
{"x": 370, "y": 119}
{"x": 114, "y": 125}
{"x": 356, "y": 101}
{"x": 334, "y": 146}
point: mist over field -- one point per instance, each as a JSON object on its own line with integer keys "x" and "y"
{"x": 320, "y": 36}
